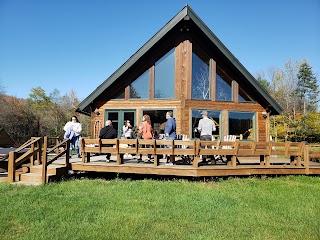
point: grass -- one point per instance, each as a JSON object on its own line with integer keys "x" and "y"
{"x": 251, "y": 208}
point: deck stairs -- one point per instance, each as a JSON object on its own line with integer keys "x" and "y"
{"x": 32, "y": 175}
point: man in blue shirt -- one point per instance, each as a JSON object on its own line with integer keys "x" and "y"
{"x": 170, "y": 129}
{"x": 170, "y": 133}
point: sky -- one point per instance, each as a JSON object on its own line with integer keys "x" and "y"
{"x": 77, "y": 44}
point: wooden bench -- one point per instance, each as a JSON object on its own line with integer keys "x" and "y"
{"x": 186, "y": 149}
{"x": 127, "y": 146}
{"x": 97, "y": 145}
{"x": 292, "y": 150}
{"x": 252, "y": 149}
{"x": 218, "y": 148}
{"x": 146, "y": 146}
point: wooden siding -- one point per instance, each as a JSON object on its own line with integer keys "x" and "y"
{"x": 182, "y": 112}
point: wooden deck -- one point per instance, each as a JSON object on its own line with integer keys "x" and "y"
{"x": 248, "y": 166}
{"x": 32, "y": 163}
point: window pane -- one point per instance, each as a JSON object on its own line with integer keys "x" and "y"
{"x": 223, "y": 89}
{"x": 241, "y": 125}
{"x": 140, "y": 87}
{"x": 164, "y": 76}
{"x": 200, "y": 78}
{"x": 196, "y": 116}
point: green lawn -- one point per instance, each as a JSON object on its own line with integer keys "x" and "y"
{"x": 271, "y": 208}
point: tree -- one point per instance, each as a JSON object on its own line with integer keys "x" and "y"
{"x": 307, "y": 89}
{"x": 263, "y": 82}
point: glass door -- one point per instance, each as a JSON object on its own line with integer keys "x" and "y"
{"x": 118, "y": 117}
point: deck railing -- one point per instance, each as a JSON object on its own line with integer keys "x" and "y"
{"x": 33, "y": 150}
{"x": 63, "y": 145}
{"x": 294, "y": 151}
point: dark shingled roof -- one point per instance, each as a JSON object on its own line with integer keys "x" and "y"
{"x": 264, "y": 97}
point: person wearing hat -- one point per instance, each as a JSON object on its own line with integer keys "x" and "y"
{"x": 206, "y": 127}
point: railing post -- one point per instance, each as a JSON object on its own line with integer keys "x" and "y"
{"x": 32, "y": 150}
{"x": 68, "y": 155}
{"x": 306, "y": 159}
{"x": 44, "y": 160}
{"x": 83, "y": 154}
{"x": 196, "y": 157}
{"x": 57, "y": 143}
{"x": 68, "y": 151}
{"x": 39, "y": 154}
{"x": 11, "y": 166}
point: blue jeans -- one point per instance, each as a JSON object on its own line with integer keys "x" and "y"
{"x": 74, "y": 142}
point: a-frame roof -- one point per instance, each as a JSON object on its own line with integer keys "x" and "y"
{"x": 88, "y": 104}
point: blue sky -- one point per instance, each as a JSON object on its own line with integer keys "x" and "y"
{"x": 77, "y": 44}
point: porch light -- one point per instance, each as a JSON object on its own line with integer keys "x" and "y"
{"x": 264, "y": 114}
{"x": 96, "y": 111}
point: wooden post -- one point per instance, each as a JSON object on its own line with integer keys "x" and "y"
{"x": 299, "y": 161}
{"x": 156, "y": 160}
{"x": 32, "y": 150}
{"x": 306, "y": 159}
{"x": 234, "y": 161}
{"x": 57, "y": 142}
{"x": 267, "y": 162}
{"x": 196, "y": 158}
{"x": 117, "y": 153}
{"x": 11, "y": 167}
{"x": 39, "y": 154}
{"x": 68, "y": 150}
{"x": 44, "y": 160}
{"x": 83, "y": 154}
{"x": 67, "y": 164}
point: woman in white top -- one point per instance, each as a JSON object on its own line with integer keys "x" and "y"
{"x": 73, "y": 130}
{"x": 127, "y": 130}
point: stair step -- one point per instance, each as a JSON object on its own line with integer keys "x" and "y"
{"x": 33, "y": 177}
{"x": 52, "y": 169}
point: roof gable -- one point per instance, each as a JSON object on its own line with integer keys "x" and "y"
{"x": 186, "y": 13}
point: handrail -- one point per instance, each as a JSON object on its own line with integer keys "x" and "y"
{"x": 45, "y": 163}
{"x": 35, "y": 148}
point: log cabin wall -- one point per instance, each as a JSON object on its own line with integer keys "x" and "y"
{"x": 182, "y": 105}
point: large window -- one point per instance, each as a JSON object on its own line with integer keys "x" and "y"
{"x": 213, "y": 115}
{"x": 200, "y": 78}
{"x": 223, "y": 88}
{"x": 241, "y": 125}
{"x": 164, "y": 76}
{"x": 140, "y": 87}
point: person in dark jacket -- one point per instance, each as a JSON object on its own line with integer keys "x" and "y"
{"x": 108, "y": 132}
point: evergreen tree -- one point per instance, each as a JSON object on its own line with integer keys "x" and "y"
{"x": 307, "y": 90}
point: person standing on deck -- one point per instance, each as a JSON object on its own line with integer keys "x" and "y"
{"x": 170, "y": 132}
{"x": 147, "y": 133}
{"x": 206, "y": 127}
{"x": 72, "y": 130}
{"x": 108, "y": 132}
